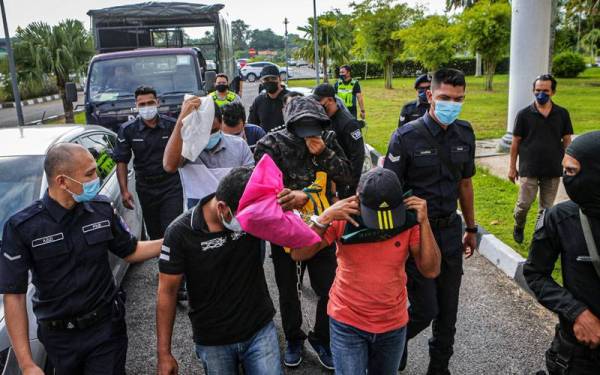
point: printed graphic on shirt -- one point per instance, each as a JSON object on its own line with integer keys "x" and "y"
{"x": 215, "y": 243}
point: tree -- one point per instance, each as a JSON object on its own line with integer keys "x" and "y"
{"x": 429, "y": 41}
{"x": 485, "y": 28}
{"x": 61, "y": 51}
{"x": 265, "y": 39}
{"x": 375, "y": 22}
{"x": 591, "y": 41}
{"x": 334, "y": 37}
{"x": 239, "y": 34}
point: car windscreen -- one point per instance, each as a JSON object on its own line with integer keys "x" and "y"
{"x": 116, "y": 79}
{"x": 20, "y": 183}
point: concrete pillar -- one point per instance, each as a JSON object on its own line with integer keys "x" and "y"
{"x": 529, "y": 55}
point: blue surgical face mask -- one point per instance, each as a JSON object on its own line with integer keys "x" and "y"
{"x": 90, "y": 190}
{"x": 447, "y": 111}
{"x": 214, "y": 140}
{"x": 149, "y": 112}
{"x": 422, "y": 95}
{"x": 233, "y": 225}
{"x": 542, "y": 98}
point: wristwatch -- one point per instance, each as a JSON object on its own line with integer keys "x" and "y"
{"x": 315, "y": 220}
{"x": 472, "y": 230}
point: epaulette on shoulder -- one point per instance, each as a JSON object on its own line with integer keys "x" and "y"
{"x": 463, "y": 123}
{"x": 27, "y": 213}
{"x": 102, "y": 199}
{"x": 407, "y": 128}
{"x": 129, "y": 122}
{"x": 168, "y": 118}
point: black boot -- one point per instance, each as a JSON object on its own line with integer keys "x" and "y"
{"x": 518, "y": 234}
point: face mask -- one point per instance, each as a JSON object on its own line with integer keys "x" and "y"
{"x": 422, "y": 95}
{"x": 149, "y": 112}
{"x": 90, "y": 190}
{"x": 542, "y": 98}
{"x": 271, "y": 87}
{"x": 583, "y": 187}
{"x": 447, "y": 111}
{"x": 214, "y": 140}
{"x": 222, "y": 88}
{"x": 233, "y": 225}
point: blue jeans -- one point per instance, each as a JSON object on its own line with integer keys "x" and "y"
{"x": 258, "y": 356}
{"x": 356, "y": 351}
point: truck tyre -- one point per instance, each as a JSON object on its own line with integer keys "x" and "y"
{"x": 251, "y": 77}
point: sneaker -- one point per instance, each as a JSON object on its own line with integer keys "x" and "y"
{"x": 293, "y": 353}
{"x": 518, "y": 234}
{"x": 323, "y": 353}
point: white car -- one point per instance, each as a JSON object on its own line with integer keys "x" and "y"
{"x": 22, "y": 181}
{"x": 251, "y": 71}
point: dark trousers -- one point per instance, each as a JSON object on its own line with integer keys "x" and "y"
{"x": 436, "y": 300}
{"x": 321, "y": 270}
{"x": 100, "y": 349}
{"x": 568, "y": 357}
{"x": 161, "y": 204}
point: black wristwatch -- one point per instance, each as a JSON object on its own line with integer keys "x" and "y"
{"x": 472, "y": 230}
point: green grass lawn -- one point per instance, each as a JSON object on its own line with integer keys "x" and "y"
{"x": 79, "y": 119}
{"x": 487, "y": 111}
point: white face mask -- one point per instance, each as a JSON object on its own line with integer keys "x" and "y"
{"x": 149, "y": 112}
{"x": 233, "y": 225}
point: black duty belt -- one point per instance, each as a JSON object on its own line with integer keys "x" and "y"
{"x": 80, "y": 322}
{"x": 155, "y": 179}
{"x": 443, "y": 221}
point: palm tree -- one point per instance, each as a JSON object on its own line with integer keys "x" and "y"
{"x": 60, "y": 51}
{"x": 334, "y": 37}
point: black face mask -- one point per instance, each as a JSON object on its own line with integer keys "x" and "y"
{"x": 222, "y": 88}
{"x": 271, "y": 87}
{"x": 583, "y": 188}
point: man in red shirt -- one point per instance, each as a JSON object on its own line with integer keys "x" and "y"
{"x": 374, "y": 233}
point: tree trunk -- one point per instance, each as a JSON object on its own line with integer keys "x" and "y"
{"x": 490, "y": 69}
{"x": 478, "y": 64}
{"x": 325, "y": 69}
{"x": 388, "y": 73}
{"x": 67, "y": 106}
{"x": 553, "y": 24}
{"x": 366, "y": 68}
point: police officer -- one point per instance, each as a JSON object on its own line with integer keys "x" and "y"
{"x": 348, "y": 133}
{"x": 302, "y": 151}
{"x": 63, "y": 239}
{"x": 223, "y": 95}
{"x": 416, "y": 108}
{"x": 267, "y": 109}
{"x": 348, "y": 89}
{"x": 434, "y": 157}
{"x": 561, "y": 233}
{"x": 160, "y": 193}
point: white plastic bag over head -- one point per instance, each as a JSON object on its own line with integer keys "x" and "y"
{"x": 195, "y": 131}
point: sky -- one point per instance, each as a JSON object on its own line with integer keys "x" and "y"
{"x": 259, "y": 14}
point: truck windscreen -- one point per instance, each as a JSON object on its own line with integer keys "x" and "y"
{"x": 111, "y": 80}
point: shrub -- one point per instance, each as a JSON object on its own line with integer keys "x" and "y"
{"x": 568, "y": 64}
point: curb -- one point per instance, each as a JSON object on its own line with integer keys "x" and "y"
{"x": 27, "y": 102}
{"x": 50, "y": 118}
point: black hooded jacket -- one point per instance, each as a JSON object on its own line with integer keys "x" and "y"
{"x": 559, "y": 234}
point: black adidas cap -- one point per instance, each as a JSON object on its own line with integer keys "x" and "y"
{"x": 381, "y": 203}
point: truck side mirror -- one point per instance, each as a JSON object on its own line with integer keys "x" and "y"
{"x": 210, "y": 77}
{"x": 71, "y": 92}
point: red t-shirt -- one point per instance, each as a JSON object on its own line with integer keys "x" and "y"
{"x": 369, "y": 290}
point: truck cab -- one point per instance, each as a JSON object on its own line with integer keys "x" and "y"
{"x": 163, "y": 45}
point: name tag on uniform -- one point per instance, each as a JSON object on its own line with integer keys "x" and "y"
{"x": 165, "y": 137}
{"x": 95, "y": 226}
{"x": 459, "y": 148}
{"x": 432, "y": 151}
{"x": 48, "y": 239}
{"x": 137, "y": 140}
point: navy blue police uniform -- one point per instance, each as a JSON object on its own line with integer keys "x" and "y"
{"x": 80, "y": 310}
{"x": 412, "y": 111}
{"x": 160, "y": 193}
{"x": 433, "y": 170}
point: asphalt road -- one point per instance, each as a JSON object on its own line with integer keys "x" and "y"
{"x": 500, "y": 329}
{"x": 34, "y": 112}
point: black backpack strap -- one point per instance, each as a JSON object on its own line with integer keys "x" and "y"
{"x": 422, "y": 130}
